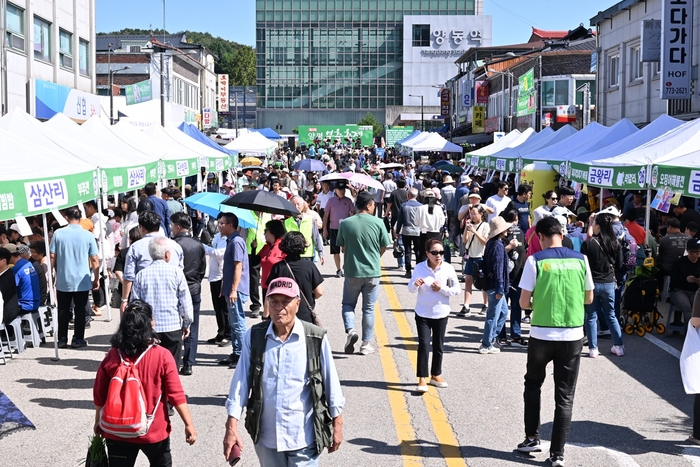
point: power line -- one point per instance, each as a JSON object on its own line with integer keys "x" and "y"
{"x": 515, "y": 15}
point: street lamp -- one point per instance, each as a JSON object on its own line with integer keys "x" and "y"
{"x": 111, "y": 92}
{"x": 422, "y": 116}
{"x": 510, "y": 95}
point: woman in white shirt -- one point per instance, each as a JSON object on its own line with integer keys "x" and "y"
{"x": 476, "y": 233}
{"x": 435, "y": 282}
{"x": 431, "y": 220}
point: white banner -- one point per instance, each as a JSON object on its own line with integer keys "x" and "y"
{"x": 222, "y": 95}
{"x": 676, "y": 48}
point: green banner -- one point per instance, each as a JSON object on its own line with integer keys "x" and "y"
{"x": 627, "y": 177}
{"x": 139, "y": 92}
{"x": 396, "y": 134}
{"x": 344, "y": 133}
{"x": 526, "y": 82}
{"x": 125, "y": 179}
{"x": 178, "y": 169}
{"x": 32, "y": 197}
{"x": 527, "y": 96}
{"x": 219, "y": 164}
{"x": 684, "y": 179}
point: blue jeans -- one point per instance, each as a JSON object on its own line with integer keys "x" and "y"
{"x": 305, "y": 457}
{"x": 352, "y": 288}
{"x": 401, "y": 261}
{"x": 496, "y": 316}
{"x": 603, "y": 305}
{"x": 190, "y": 354}
{"x": 236, "y": 318}
{"x": 516, "y": 314}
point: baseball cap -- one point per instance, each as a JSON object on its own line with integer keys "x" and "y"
{"x": 562, "y": 211}
{"x": 283, "y": 286}
{"x": 15, "y": 227}
{"x": 693, "y": 244}
{"x": 341, "y": 184}
{"x": 474, "y": 195}
{"x": 612, "y": 210}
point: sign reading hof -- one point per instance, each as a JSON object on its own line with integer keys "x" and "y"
{"x": 676, "y": 48}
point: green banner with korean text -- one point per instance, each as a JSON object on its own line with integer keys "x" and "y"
{"x": 683, "y": 179}
{"x": 32, "y": 197}
{"x": 346, "y": 134}
{"x": 397, "y": 133}
{"x": 174, "y": 169}
{"x": 139, "y": 92}
{"x": 627, "y": 177}
{"x": 527, "y": 96}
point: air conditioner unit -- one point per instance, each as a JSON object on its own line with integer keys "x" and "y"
{"x": 15, "y": 41}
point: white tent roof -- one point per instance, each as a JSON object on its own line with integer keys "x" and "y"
{"x": 171, "y": 150}
{"x": 412, "y": 141}
{"x": 559, "y": 150}
{"x": 101, "y": 130}
{"x": 658, "y": 127}
{"x": 192, "y": 143}
{"x": 512, "y": 139}
{"x": 681, "y": 141}
{"x": 252, "y": 143}
{"x": 619, "y": 131}
{"x": 435, "y": 142}
{"x": 536, "y": 142}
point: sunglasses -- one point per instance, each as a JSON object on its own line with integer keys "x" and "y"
{"x": 554, "y": 199}
{"x": 436, "y": 252}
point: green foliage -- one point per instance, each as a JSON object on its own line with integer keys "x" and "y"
{"x": 370, "y": 120}
{"x": 236, "y": 59}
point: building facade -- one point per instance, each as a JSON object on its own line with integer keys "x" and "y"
{"x": 332, "y": 61}
{"x": 47, "y": 40}
{"x": 627, "y": 86}
{"x": 188, "y": 76}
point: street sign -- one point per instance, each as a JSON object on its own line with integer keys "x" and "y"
{"x": 676, "y": 48}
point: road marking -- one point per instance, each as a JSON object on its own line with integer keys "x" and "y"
{"x": 623, "y": 459}
{"x": 410, "y": 451}
{"x": 449, "y": 447}
{"x": 663, "y": 345}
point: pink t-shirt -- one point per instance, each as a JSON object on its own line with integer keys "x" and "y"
{"x": 337, "y": 210}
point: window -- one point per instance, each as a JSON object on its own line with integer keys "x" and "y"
{"x": 421, "y": 35}
{"x": 134, "y": 48}
{"x": 42, "y": 40}
{"x": 84, "y": 57}
{"x": 636, "y": 65}
{"x": 613, "y": 70}
{"x": 65, "y": 49}
{"x": 555, "y": 93}
{"x": 14, "y": 27}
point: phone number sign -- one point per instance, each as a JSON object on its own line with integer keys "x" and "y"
{"x": 676, "y": 48}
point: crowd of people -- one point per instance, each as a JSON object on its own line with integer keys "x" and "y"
{"x": 563, "y": 270}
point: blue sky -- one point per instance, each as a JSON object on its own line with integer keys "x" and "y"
{"x": 235, "y": 19}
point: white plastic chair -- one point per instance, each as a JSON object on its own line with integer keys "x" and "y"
{"x": 18, "y": 341}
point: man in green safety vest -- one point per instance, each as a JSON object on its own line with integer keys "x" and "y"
{"x": 255, "y": 241}
{"x": 306, "y": 224}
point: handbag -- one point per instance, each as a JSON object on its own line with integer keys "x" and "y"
{"x": 97, "y": 453}
{"x": 689, "y": 360}
{"x": 314, "y": 317}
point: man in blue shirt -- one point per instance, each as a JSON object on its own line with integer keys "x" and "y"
{"x": 160, "y": 207}
{"x": 235, "y": 285}
{"x": 73, "y": 253}
{"x": 522, "y": 205}
{"x": 26, "y": 280}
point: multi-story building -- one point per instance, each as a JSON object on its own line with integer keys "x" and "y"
{"x": 189, "y": 78}
{"x": 47, "y": 49}
{"x": 627, "y": 86}
{"x": 332, "y": 61}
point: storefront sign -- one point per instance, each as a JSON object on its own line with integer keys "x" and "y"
{"x": 676, "y": 48}
{"x": 566, "y": 113}
{"x": 222, "y": 95}
{"x": 139, "y": 92}
{"x": 52, "y": 98}
{"x": 482, "y": 92}
{"x": 479, "y": 119}
{"x": 206, "y": 117}
{"x": 445, "y": 102}
{"x": 440, "y": 37}
{"x": 651, "y": 40}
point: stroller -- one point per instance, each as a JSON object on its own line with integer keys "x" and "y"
{"x": 640, "y": 313}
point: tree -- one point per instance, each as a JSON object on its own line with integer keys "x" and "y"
{"x": 370, "y": 120}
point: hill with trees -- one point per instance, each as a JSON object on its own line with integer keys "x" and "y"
{"x": 236, "y": 59}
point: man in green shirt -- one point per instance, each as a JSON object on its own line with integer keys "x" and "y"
{"x": 363, "y": 239}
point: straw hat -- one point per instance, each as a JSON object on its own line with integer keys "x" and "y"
{"x": 497, "y": 226}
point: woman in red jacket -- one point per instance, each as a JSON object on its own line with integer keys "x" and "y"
{"x": 159, "y": 379}
{"x": 270, "y": 254}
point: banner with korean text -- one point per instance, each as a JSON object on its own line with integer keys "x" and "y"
{"x": 343, "y": 133}
{"x": 677, "y": 179}
{"x": 623, "y": 177}
{"x": 139, "y": 92}
{"x": 527, "y": 96}
{"x": 222, "y": 94}
{"x": 676, "y": 48}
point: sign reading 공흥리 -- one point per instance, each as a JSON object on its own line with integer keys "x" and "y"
{"x": 676, "y": 48}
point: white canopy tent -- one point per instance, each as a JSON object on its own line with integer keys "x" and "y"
{"x": 97, "y": 127}
{"x": 557, "y": 152}
{"x": 435, "y": 142}
{"x": 252, "y": 143}
{"x": 511, "y": 140}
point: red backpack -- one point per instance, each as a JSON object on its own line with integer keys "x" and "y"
{"x": 124, "y": 413}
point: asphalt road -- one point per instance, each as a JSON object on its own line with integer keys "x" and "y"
{"x": 628, "y": 411}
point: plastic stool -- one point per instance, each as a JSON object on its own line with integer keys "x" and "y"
{"x": 669, "y": 318}
{"x": 46, "y": 323}
{"x": 35, "y": 336}
{"x": 18, "y": 341}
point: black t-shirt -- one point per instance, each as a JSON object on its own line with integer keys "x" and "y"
{"x": 307, "y": 275}
{"x": 682, "y": 268}
{"x": 42, "y": 282}
{"x": 397, "y": 198}
{"x": 8, "y": 289}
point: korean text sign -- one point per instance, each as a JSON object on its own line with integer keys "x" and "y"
{"x": 676, "y": 48}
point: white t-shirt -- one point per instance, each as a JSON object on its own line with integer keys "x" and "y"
{"x": 498, "y": 204}
{"x": 322, "y": 199}
{"x": 389, "y": 186}
{"x": 527, "y": 282}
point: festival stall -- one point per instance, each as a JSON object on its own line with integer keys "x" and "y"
{"x": 252, "y": 143}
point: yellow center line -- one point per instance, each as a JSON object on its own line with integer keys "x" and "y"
{"x": 397, "y": 401}
{"x": 449, "y": 447}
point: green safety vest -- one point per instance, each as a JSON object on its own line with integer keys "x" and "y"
{"x": 307, "y": 230}
{"x": 323, "y": 423}
{"x": 257, "y": 233}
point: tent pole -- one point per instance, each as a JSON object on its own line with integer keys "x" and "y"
{"x": 600, "y": 195}
{"x": 103, "y": 264}
{"x": 647, "y": 214}
{"x": 53, "y": 305}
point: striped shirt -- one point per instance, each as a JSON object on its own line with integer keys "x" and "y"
{"x": 164, "y": 287}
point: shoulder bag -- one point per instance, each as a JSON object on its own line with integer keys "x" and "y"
{"x": 314, "y": 317}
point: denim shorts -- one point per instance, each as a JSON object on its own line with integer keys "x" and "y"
{"x": 469, "y": 266}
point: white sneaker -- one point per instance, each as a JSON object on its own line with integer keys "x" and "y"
{"x": 487, "y": 350}
{"x": 618, "y": 350}
{"x": 365, "y": 348}
{"x": 351, "y": 341}
{"x": 593, "y": 353}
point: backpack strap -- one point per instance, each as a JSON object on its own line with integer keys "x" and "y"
{"x": 257, "y": 361}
